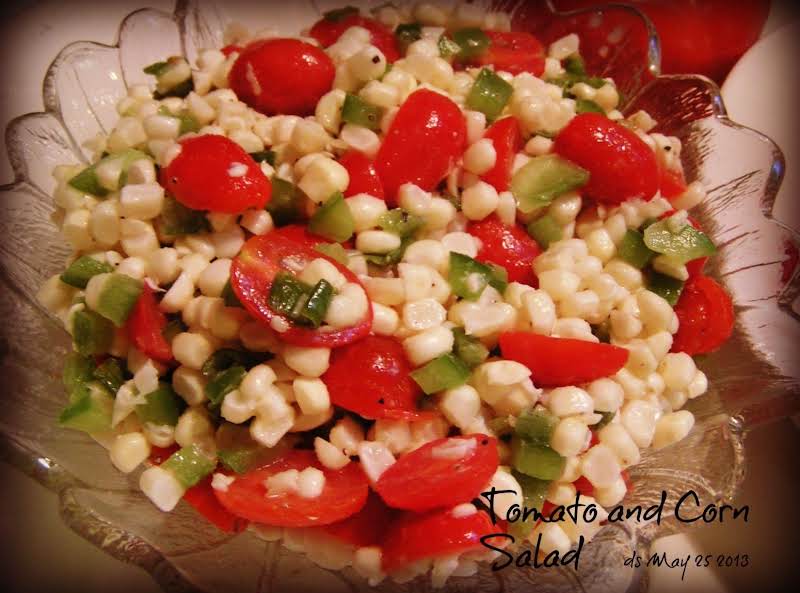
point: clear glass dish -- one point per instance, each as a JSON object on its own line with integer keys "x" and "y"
{"x": 754, "y": 378}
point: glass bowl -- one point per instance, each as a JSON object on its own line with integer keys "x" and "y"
{"x": 753, "y": 379}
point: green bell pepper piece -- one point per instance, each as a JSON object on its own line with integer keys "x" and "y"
{"x": 543, "y": 179}
{"x": 666, "y": 287}
{"x": 82, "y": 269}
{"x": 633, "y": 250}
{"x": 91, "y": 333}
{"x": 536, "y": 426}
{"x": 489, "y": 94}
{"x": 537, "y": 461}
{"x": 468, "y": 277}
{"x": 91, "y": 412}
{"x": 545, "y": 230}
{"x": 469, "y": 348}
{"x": 441, "y": 373}
{"x": 161, "y": 407}
{"x": 357, "y": 111}
{"x": 189, "y": 465}
{"x": 333, "y": 220}
{"x": 684, "y": 246}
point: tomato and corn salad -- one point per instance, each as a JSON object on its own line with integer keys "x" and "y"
{"x": 335, "y": 287}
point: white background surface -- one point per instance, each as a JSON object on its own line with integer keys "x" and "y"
{"x": 49, "y": 557}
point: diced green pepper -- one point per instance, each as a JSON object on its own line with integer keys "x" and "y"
{"x": 333, "y": 220}
{"x": 188, "y": 121}
{"x": 391, "y": 258}
{"x": 406, "y": 34}
{"x": 286, "y": 292}
{"x": 110, "y": 374}
{"x": 469, "y": 348}
{"x": 189, "y": 465}
{"x": 534, "y": 493}
{"x": 587, "y": 106}
{"x": 87, "y": 182}
{"x": 223, "y": 383}
{"x": 117, "y": 296}
{"x": 543, "y": 179}
{"x": 500, "y": 425}
{"x": 91, "y": 413}
{"x": 155, "y": 68}
{"x": 468, "y": 277}
{"x": 447, "y": 47}
{"x": 400, "y": 222}
{"x": 173, "y": 328}
{"x": 683, "y": 246}
{"x": 489, "y": 94}
{"x": 318, "y": 302}
{"x": 264, "y": 155}
{"x": 335, "y": 251}
{"x": 91, "y": 333}
{"x": 666, "y": 287}
{"x": 545, "y": 230}
{"x": 161, "y": 407}
{"x": 239, "y": 452}
{"x": 633, "y": 250}
{"x": 537, "y": 461}
{"x": 339, "y": 14}
{"x": 286, "y": 204}
{"x": 536, "y": 426}
{"x": 357, "y": 111}
{"x": 227, "y": 357}
{"x": 78, "y": 370}
{"x": 472, "y": 41}
{"x": 573, "y": 64}
{"x": 229, "y": 297}
{"x": 177, "y": 219}
{"x": 441, "y": 373}
{"x": 82, "y": 269}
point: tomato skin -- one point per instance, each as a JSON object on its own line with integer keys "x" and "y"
{"x": 514, "y": 52}
{"x": 145, "y": 324}
{"x": 420, "y": 481}
{"x": 372, "y": 378}
{"x": 507, "y": 140}
{"x": 344, "y": 494}
{"x": 159, "y": 455}
{"x": 621, "y": 166}
{"x": 508, "y": 246}
{"x": 363, "y": 177}
{"x": 584, "y": 486}
{"x": 426, "y": 121}
{"x": 254, "y": 270}
{"x": 198, "y": 177}
{"x": 367, "y": 527}
{"x": 415, "y": 536}
{"x": 705, "y": 315}
{"x": 556, "y": 362}
{"x": 327, "y": 32}
{"x": 671, "y": 183}
{"x": 230, "y": 49}
{"x": 201, "y": 497}
{"x": 282, "y": 76}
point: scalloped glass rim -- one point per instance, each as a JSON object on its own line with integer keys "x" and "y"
{"x": 754, "y": 377}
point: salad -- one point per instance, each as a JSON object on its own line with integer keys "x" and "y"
{"x": 337, "y": 288}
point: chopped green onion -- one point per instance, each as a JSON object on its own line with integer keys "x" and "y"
{"x": 82, "y": 269}
{"x": 189, "y": 465}
{"x": 333, "y": 220}
{"x": 223, "y": 383}
{"x": 161, "y": 407}
{"x": 683, "y": 246}
{"x": 339, "y": 14}
{"x": 472, "y": 41}
{"x": 356, "y": 110}
{"x": 406, "y": 34}
{"x": 264, "y": 155}
{"x": 607, "y": 417}
{"x": 90, "y": 413}
{"x": 91, "y": 333}
{"x": 318, "y": 302}
{"x": 391, "y": 258}
{"x": 543, "y": 179}
{"x": 537, "y": 461}
{"x": 117, "y": 296}
{"x": 229, "y": 297}
{"x": 545, "y": 230}
{"x": 536, "y": 426}
{"x": 666, "y": 287}
{"x": 633, "y": 250}
{"x": 469, "y": 348}
{"x": 286, "y": 204}
{"x": 534, "y": 493}
{"x": 226, "y": 358}
{"x": 110, "y": 374}
{"x": 489, "y": 94}
{"x": 335, "y": 251}
{"x": 587, "y": 106}
{"x": 400, "y": 222}
{"x": 447, "y": 47}
{"x": 441, "y": 373}
{"x": 285, "y": 293}
{"x": 177, "y": 219}
{"x": 468, "y": 277}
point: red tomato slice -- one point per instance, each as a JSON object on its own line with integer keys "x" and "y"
{"x": 200, "y": 177}
{"x": 514, "y": 52}
{"x": 507, "y": 140}
{"x": 253, "y": 271}
{"x": 705, "y": 313}
{"x": 282, "y": 76}
{"x": 367, "y": 527}
{"x": 201, "y": 497}
{"x": 671, "y": 183}
{"x": 372, "y": 378}
{"x": 426, "y": 121}
{"x": 327, "y": 32}
{"x": 508, "y": 246}
{"x": 555, "y": 362}
{"x": 344, "y": 494}
{"x": 621, "y": 166}
{"x": 145, "y": 324}
{"x": 363, "y": 177}
{"x": 439, "y": 473}
{"x": 416, "y": 536}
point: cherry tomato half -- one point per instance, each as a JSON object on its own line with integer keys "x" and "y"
{"x": 556, "y": 362}
{"x": 328, "y": 31}
{"x": 507, "y": 140}
{"x": 671, "y": 183}
{"x": 427, "y": 121}
{"x": 514, "y": 52}
{"x": 367, "y": 527}
{"x": 621, "y": 166}
{"x": 705, "y": 314}
{"x": 282, "y": 76}
{"x": 254, "y": 269}
{"x": 372, "y": 378}
{"x": 201, "y": 497}
{"x": 508, "y": 246}
{"x": 145, "y": 326}
{"x": 213, "y": 173}
{"x": 441, "y": 473}
{"x": 363, "y": 177}
{"x": 343, "y": 495}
